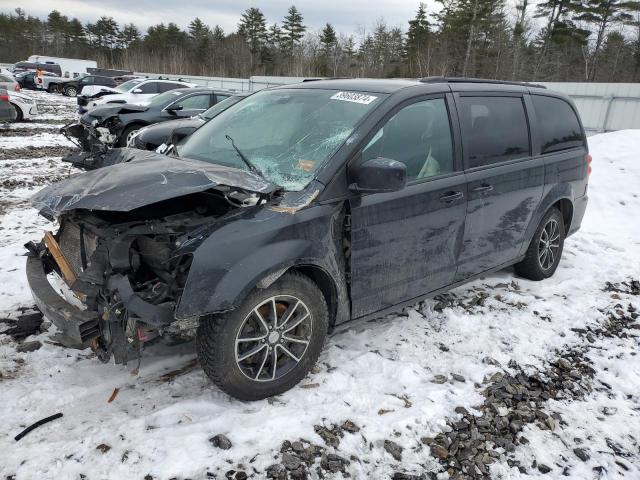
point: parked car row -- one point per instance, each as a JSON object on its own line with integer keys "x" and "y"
{"x": 24, "y": 107}
{"x": 299, "y": 208}
{"x": 118, "y": 125}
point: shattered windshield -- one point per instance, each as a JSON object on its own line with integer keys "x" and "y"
{"x": 286, "y": 134}
{"x": 126, "y": 86}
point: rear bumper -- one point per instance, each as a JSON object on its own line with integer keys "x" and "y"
{"x": 81, "y": 326}
{"x": 579, "y": 207}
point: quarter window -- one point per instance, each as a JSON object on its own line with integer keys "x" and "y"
{"x": 559, "y": 125}
{"x": 419, "y": 136}
{"x": 495, "y": 129}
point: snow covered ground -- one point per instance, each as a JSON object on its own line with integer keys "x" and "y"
{"x": 391, "y": 377}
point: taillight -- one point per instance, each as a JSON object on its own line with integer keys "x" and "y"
{"x": 588, "y": 158}
{"x": 4, "y": 98}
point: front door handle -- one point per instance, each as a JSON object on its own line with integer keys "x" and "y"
{"x": 483, "y": 188}
{"x": 451, "y": 197}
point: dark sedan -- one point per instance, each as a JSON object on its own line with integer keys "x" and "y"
{"x": 151, "y": 137}
{"x": 27, "y": 79}
{"x": 114, "y": 125}
{"x": 74, "y": 86}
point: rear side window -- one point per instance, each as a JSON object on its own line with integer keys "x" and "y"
{"x": 195, "y": 102}
{"x": 559, "y": 125}
{"x": 495, "y": 129}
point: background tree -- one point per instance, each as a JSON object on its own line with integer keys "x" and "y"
{"x": 418, "y": 51}
{"x": 293, "y": 31}
{"x": 602, "y": 15}
{"x": 328, "y": 42}
{"x": 253, "y": 28}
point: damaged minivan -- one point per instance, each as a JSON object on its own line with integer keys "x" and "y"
{"x": 306, "y": 206}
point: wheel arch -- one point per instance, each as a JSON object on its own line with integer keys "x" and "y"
{"x": 18, "y": 109}
{"x": 325, "y": 283}
{"x": 565, "y": 205}
{"x": 561, "y": 197}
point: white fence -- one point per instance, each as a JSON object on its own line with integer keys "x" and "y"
{"x": 251, "y": 84}
{"x": 604, "y": 107}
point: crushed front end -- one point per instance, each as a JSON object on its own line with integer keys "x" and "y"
{"x": 111, "y": 280}
{"x": 128, "y": 276}
{"x": 96, "y": 133}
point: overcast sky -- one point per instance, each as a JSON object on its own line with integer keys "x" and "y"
{"x": 347, "y": 16}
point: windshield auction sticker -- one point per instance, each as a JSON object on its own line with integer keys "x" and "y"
{"x": 354, "y": 97}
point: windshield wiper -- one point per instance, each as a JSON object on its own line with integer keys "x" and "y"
{"x": 247, "y": 162}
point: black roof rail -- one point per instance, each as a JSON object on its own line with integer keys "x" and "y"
{"x": 325, "y": 78}
{"x": 476, "y": 80}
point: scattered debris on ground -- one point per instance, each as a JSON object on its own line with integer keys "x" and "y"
{"x": 475, "y": 440}
{"x": 39, "y": 423}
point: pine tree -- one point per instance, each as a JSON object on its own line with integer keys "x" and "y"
{"x": 293, "y": 30}
{"x": 328, "y": 38}
{"x": 129, "y": 35}
{"x": 274, "y": 36}
{"x": 328, "y": 42}
{"x": 603, "y": 14}
{"x": 418, "y": 43}
{"x": 253, "y": 28}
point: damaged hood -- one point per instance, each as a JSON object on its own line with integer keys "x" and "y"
{"x": 104, "y": 112}
{"x": 145, "y": 179}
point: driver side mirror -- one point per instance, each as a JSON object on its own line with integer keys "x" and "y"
{"x": 173, "y": 108}
{"x": 378, "y": 175}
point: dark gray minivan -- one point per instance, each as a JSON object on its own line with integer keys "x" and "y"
{"x": 306, "y": 206}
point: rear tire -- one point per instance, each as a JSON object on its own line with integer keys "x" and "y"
{"x": 545, "y": 250}
{"x": 225, "y": 342}
{"x": 53, "y": 88}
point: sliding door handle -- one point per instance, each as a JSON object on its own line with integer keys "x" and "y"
{"x": 451, "y": 197}
{"x": 483, "y": 188}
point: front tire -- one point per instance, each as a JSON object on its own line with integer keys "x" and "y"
{"x": 544, "y": 252}
{"x": 127, "y": 133}
{"x": 70, "y": 91}
{"x": 269, "y": 343}
{"x": 19, "y": 115}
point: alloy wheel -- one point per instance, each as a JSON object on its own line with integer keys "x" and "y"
{"x": 71, "y": 92}
{"x": 549, "y": 244}
{"x": 130, "y": 136}
{"x": 273, "y": 338}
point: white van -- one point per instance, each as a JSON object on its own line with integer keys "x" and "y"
{"x": 71, "y": 67}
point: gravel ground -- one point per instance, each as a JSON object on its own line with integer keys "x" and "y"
{"x": 502, "y": 378}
